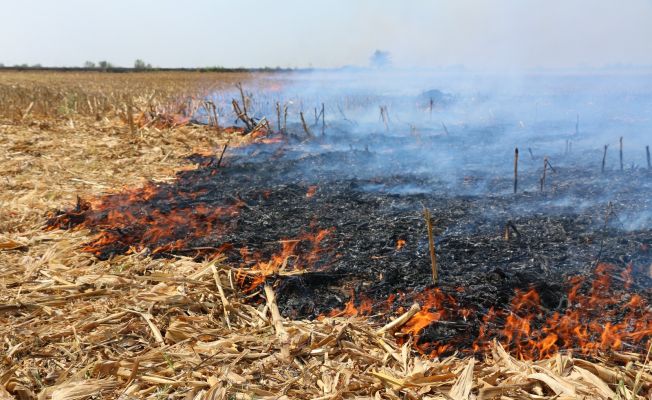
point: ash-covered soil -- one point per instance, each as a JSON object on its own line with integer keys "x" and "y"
{"x": 370, "y": 199}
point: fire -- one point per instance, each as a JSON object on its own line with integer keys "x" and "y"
{"x": 421, "y": 320}
{"x": 152, "y": 217}
{"x": 311, "y": 191}
{"x": 601, "y": 320}
{"x": 597, "y": 319}
{"x": 365, "y": 307}
{"x": 435, "y": 306}
{"x": 294, "y": 256}
{"x": 600, "y": 314}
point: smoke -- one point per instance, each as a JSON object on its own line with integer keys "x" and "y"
{"x": 412, "y": 132}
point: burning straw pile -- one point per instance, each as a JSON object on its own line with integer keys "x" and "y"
{"x": 138, "y": 326}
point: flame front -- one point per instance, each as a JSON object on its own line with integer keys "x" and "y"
{"x": 303, "y": 252}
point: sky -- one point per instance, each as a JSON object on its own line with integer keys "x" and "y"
{"x": 502, "y": 34}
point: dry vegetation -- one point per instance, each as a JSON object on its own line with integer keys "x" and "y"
{"x": 72, "y": 326}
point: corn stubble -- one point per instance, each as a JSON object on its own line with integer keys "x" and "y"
{"x": 137, "y": 327}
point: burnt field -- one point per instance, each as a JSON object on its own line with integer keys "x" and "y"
{"x": 331, "y": 212}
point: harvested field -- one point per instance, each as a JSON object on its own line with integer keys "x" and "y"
{"x": 150, "y": 249}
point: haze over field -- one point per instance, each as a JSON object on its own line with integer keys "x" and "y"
{"x": 502, "y": 34}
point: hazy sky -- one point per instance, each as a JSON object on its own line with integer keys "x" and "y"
{"x": 300, "y": 33}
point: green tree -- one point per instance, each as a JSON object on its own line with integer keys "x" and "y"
{"x": 89, "y": 64}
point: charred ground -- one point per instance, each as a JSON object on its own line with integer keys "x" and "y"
{"x": 349, "y": 230}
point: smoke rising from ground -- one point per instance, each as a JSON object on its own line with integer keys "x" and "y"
{"x": 453, "y": 133}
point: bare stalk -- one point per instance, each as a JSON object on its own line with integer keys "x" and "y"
{"x": 543, "y": 177}
{"x": 621, "y": 154}
{"x": 242, "y": 115}
{"x": 305, "y": 126}
{"x": 323, "y": 120}
{"x": 431, "y": 246}
{"x": 242, "y": 96}
{"x": 515, "y": 169}
{"x": 384, "y": 116}
{"x": 219, "y": 162}
{"x": 130, "y": 116}
{"x": 285, "y": 117}
{"x": 445, "y": 128}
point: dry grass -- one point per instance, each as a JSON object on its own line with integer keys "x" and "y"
{"x": 97, "y": 94}
{"x": 75, "y": 327}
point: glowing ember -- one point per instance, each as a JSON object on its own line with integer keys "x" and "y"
{"x": 311, "y": 191}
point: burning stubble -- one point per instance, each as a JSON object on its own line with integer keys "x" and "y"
{"x": 333, "y": 220}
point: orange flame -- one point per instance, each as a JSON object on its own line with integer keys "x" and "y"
{"x": 131, "y": 220}
{"x": 602, "y": 319}
{"x": 311, "y": 191}
{"x": 303, "y": 251}
{"x": 365, "y": 307}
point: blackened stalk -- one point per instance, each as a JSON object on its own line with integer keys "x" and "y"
{"x": 604, "y": 157}
{"x": 278, "y": 116}
{"x": 219, "y": 162}
{"x": 242, "y": 115}
{"x": 543, "y": 177}
{"x": 384, "y": 116}
{"x": 431, "y": 246}
{"x": 215, "y": 117}
{"x": 323, "y": 120}
{"x": 285, "y": 117}
{"x": 515, "y": 169}
{"x": 647, "y": 153}
{"x": 242, "y": 96}
{"x": 445, "y": 129}
{"x": 621, "y": 153}
{"x": 305, "y": 126}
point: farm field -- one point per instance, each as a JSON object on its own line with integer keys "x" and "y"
{"x": 262, "y": 235}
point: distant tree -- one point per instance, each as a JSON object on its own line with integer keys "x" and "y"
{"x": 380, "y": 59}
{"x": 89, "y": 64}
{"x": 140, "y": 65}
{"x": 37, "y": 65}
{"x": 2, "y": 65}
{"x": 104, "y": 65}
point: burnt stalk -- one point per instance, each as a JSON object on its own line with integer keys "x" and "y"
{"x": 515, "y": 170}
{"x": 431, "y": 246}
